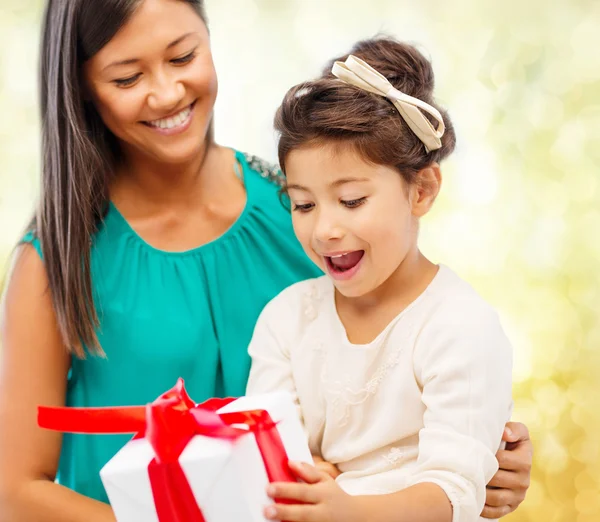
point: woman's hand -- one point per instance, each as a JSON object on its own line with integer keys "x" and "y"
{"x": 319, "y": 498}
{"x": 508, "y": 487}
{"x": 325, "y": 466}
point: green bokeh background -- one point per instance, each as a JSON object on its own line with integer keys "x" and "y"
{"x": 519, "y": 213}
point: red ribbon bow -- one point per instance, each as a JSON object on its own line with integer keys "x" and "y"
{"x": 169, "y": 423}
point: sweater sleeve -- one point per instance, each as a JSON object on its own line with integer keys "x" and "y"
{"x": 269, "y": 348}
{"x": 463, "y": 363}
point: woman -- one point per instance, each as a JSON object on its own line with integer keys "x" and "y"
{"x": 152, "y": 253}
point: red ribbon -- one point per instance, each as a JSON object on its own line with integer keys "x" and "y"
{"x": 169, "y": 423}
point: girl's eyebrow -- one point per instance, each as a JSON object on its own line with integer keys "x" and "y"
{"x": 336, "y": 183}
{"x": 295, "y": 186}
{"x": 348, "y": 179}
{"x": 129, "y": 61}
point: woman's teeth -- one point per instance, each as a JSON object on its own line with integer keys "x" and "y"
{"x": 173, "y": 121}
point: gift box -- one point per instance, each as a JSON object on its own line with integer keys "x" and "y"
{"x": 192, "y": 463}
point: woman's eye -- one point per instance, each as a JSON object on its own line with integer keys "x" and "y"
{"x": 353, "y": 203}
{"x": 127, "y": 82}
{"x": 305, "y": 207}
{"x": 184, "y": 59}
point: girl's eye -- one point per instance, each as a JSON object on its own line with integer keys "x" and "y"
{"x": 353, "y": 203}
{"x": 127, "y": 82}
{"x": 306, "y": 207}
{"x": 184, "y": 59}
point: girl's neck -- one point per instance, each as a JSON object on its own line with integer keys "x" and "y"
{"x": 365, "y": 317}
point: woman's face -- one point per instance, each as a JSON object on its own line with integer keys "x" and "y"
{"x": 154, "y": 84}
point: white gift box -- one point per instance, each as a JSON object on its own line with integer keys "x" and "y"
{"x": 228, "y": 479}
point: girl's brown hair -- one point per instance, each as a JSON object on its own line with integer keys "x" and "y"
{"x": 328, "y": 110}
{"x": 79, "y": 155}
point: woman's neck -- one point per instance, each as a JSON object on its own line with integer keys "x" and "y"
{"x": 154, "y": 183}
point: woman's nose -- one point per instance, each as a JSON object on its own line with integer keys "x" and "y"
{"x": 167, "y": 93}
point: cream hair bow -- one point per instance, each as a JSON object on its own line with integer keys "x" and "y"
{"x": 356, "y": 72}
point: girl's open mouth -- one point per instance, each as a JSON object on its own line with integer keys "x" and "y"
{"x": 344, "y": 266}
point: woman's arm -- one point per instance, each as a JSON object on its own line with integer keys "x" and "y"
{"x": 508, "y": 487}
{"x": 33, "y": 371}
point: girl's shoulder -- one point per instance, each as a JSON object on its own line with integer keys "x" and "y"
{"x": 298, "y": 303}
{"x": 455, "y": 301}
{"x": 452, "y": 313}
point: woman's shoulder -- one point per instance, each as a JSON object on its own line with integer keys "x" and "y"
{"x": 31, "y": 238}
{"x": 269, "y": 171}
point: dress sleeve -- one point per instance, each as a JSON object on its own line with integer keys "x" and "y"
{"x": 33, "y": 240}
{"x": 269, "y": 349}
{"x": 463, "y": 364}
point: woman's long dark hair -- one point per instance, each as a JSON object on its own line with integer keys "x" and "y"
{"x": 79, "y": 155}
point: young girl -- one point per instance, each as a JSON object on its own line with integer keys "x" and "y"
{"x": 401, "y": 371}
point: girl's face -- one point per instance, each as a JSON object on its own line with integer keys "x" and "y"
{"x": 355, "y": 220}
{"x": 154, "y": 84}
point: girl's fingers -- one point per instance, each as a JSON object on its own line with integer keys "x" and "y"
{"x": 292, "y": 512}
{"x": 306, "y": 472}
{"x": 327, "y": 467}
{"x": 293, "y": 491}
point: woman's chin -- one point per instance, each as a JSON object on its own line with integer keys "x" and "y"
{"x": 181, "y": 153}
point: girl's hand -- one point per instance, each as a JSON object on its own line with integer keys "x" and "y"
{"x": 325, "y": 466}
{"x": 320, "y": 498}
{"x": 508, "y": 487}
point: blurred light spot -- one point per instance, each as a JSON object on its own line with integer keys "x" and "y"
{"x": 476, "y": 176}
{"x": 588, "y": 502}
{"x": 552, "y": 456}
{"x": 570, "y": 142}
{"x": 584, "y": 42}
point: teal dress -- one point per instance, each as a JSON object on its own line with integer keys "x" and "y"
{"x": 165, "y": 315}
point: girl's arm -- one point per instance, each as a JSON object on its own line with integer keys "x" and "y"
{"x": 269, "y": 349}
{"x": 271, "y": 366}
{"x": 463, "y": 367}
{"x": 318, "y": 498}
{"x": 463, "y": 364}
{"x": 33, "y": 371}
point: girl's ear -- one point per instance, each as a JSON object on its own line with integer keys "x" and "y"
{"x": 425, "y": 189}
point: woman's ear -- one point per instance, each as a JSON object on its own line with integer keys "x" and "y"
{"x": 86, "y": 93}
{"x": 425, "y": 189}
